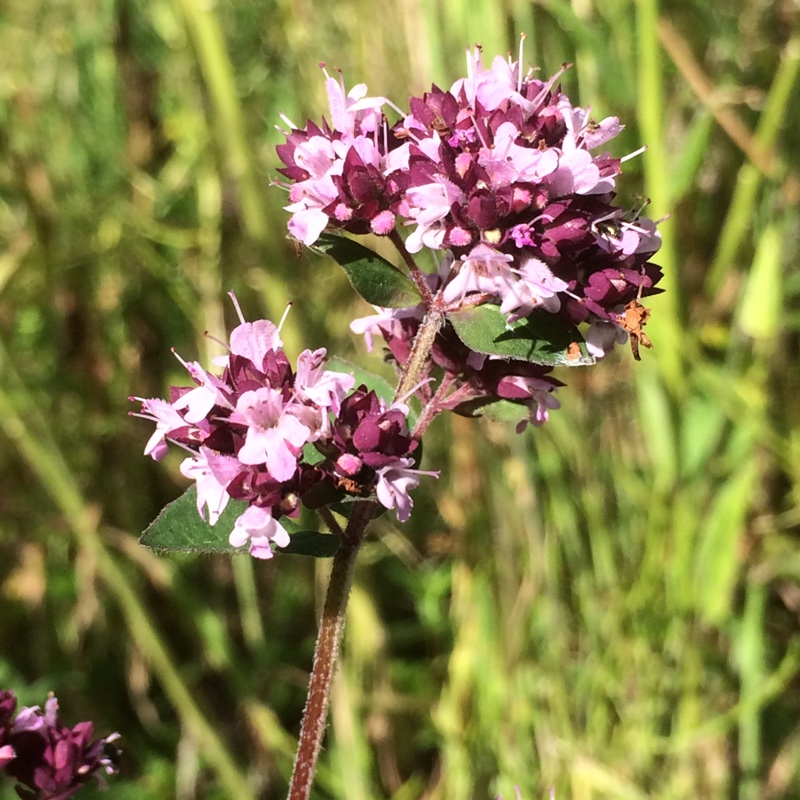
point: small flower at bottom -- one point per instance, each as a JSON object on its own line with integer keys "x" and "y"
{"x": 394, "y": 481}
{"x": 49, "y": 760}
{"x": 260, "y": 528}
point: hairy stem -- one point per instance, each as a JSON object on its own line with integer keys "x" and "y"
{"x": 431, "y": 408}
{"x": 330, "y": 521}
{"x": 326, "y": 655}
{"x": 420, "y": 350}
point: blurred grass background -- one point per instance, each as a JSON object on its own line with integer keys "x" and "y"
{"x": 608, "y": 605}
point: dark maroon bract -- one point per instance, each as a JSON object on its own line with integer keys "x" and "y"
{"x": 49, "y": 760}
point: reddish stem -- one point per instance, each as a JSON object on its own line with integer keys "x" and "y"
{"x": 326, "y": 655}
{"x": 431, "y": 408}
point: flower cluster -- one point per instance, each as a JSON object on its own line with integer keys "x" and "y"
{"x": 49, "y": 760}
{"x": 499, "y": 172}
{"x": 275, "y": 437}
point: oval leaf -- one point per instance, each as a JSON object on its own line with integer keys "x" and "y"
{"x": 540, "y": 338}
{"x": 373, "y": 277}
{"x": 179, "y": 528}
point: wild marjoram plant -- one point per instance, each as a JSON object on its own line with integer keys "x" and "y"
{"x": 534, "y": 266}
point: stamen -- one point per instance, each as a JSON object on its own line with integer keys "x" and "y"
{"x": 548, "y": 86}
{"x": 218, "y": 341}
{"x": 396, "y": 108}
{"x": 636, "y": 211}
{"x": 287, "y": 121}
{"x": 633, "y": 154}
{"x": 285, "y": 314}
{"x": 177, "y": 355}
{"x": 232, "y": 295}
{"x": 597, "y": 221}
{"x": 477, "y": 129}
{"x": 522, "y": 38}
{"x": 181, "y": 445}
{"x": 410, "y": 392}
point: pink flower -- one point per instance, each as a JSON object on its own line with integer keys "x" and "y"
{"x": 602, "y": 336}
{"x": 322, "y": 387}
{"x": 168, "y": 420}
{"x": 428, "y": 205}
{"x": 253, "y": 340}
{"x": 483, "y": 270}
{"x": 212, "y": 473}
{"x": 534, "y": 286}
{"x": 274, "y": 437}
{"x": 354, "y": 110}
{"x": 48, "y": 759}
{"x": 258, "y": 526}
{"x": 395, "y": 481}
{"x": 199, "y": 401}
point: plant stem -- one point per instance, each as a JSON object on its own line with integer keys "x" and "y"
{"x": 420, "y": 350}
{"x": 330, "y": 521}
{"x": 329, "y": 639}
{"x": 326, "y": 655}
{"x": 431, "y": 408}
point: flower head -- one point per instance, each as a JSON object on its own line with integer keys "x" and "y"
{"x": 49, "y": 760}
{"x": 274, "y": 437}
{"x": 502, "y": 173}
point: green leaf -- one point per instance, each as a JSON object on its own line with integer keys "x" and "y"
{"x": 311, "y": 543}
{"x": 179, "y": 528}
{"x": 497, "y": 410}
{"x": 311, "y": 455}
{"x": 376, "y": 383}
{"x": 540, "y": 338}
{"x": 373, "y": 277}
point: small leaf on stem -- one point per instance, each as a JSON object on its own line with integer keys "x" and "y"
{"x": 372, "y": 276}
{"x": 179, "y": 528}
{"x": 539, "y": 338}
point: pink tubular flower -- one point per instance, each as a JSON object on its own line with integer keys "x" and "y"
{"x": 169, "y": 421}
{"x": 340, "y": 175}
{"x": 261, "y": 529}
{"x": 395, "y": 481}
{"x": 274, "y": 437}
{"x": 213, "y": 474}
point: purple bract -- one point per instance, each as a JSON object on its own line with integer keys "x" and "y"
{"x": 49, "y": 760}
{"x": 275, "y": 437}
